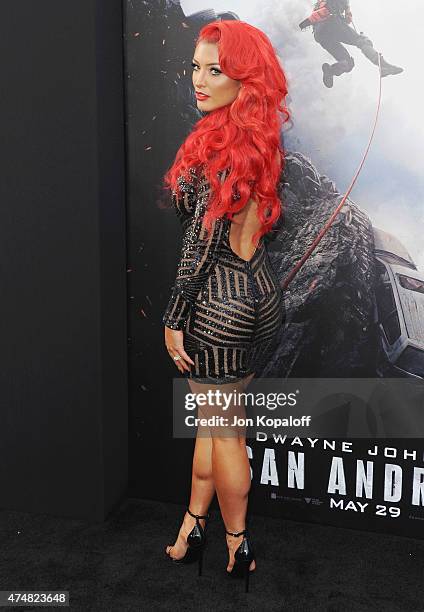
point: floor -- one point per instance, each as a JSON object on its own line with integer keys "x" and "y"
{"x": 120, "y": 564}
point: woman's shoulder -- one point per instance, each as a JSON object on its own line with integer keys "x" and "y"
{"x": 191, "y": 187}
{"x": 186, "y": 202}
{"x": 195, "y": 189}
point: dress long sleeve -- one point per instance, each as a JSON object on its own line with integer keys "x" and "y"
{"x": 199, "y": 253}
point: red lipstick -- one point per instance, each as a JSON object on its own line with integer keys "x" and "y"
{"x": 201, "y": 96}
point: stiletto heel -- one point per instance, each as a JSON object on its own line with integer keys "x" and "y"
{"x": 243, "y": 557}
{"x": 201, "y": 560}
{"x": 196, "y": 541}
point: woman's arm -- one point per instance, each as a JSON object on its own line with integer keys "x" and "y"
{"x": 198, "y": 256}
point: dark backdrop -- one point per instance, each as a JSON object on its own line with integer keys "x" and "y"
{"x": 63, "y": 433}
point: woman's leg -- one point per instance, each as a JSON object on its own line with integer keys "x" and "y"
{"x": 230, "y": 465}
{"x": 231, "y": 469}
{"x": 202, "y": 488}
{"x": 202, "y": 484}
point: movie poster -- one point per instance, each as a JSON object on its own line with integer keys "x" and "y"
{"x": 355, "y": 308}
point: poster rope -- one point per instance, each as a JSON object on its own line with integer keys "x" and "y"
{"x": 301, "y": 262}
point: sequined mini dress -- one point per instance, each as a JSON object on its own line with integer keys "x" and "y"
{"x": 230, "y": 309}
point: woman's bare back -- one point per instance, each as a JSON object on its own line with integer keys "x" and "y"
{"x": 244, "y": 225}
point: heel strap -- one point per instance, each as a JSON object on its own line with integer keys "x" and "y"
{"x": 236, "y": 535}
{"x": 198, "y": 516}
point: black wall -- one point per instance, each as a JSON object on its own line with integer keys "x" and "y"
{"x": 63, "y": 430}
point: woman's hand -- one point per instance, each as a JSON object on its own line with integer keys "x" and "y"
{"x": 175, "y": 346}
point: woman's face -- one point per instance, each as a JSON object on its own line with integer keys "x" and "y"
{"x": 210, "y": 80}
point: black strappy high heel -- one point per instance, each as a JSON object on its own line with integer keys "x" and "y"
{"x": 243, "y": 557}
{"x": 196, "y": 541}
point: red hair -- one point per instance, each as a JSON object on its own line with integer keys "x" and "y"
{"x": 244, "y": 135}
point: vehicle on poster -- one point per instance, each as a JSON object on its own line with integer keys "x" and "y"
{"x": 399, "y": 314}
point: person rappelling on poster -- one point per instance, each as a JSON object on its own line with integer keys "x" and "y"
{"x": 332, "y": 23}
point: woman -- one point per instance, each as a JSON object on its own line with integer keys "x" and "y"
{"x": 226, "y": 305}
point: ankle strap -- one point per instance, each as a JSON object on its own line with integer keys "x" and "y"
{"x": 237, "y": 534}
{"x": 198, "y": 516}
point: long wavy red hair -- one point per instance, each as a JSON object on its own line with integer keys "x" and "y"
{"x": 245, "y": 135}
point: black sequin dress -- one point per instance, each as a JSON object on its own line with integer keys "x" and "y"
{"x": 230, "y": 309}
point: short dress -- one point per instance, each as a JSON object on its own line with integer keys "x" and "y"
{"x": 231, "y": 310}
